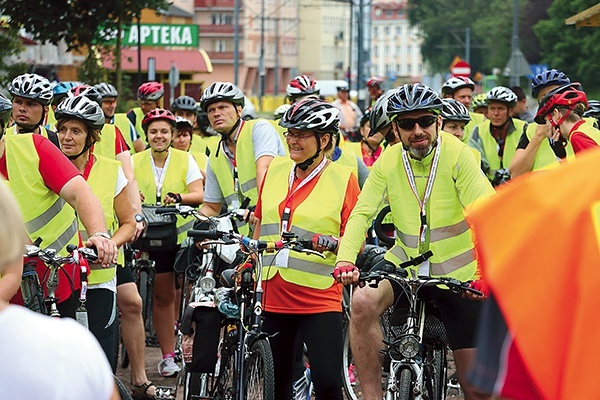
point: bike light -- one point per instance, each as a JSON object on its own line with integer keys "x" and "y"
{"x": 408, "y": 346}
{"x": 207, "y": 284}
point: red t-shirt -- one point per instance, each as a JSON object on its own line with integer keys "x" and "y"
{"x": 120, "y": 143}
{"x": 369, "y": 160}
{"x": 285, "y": 297}
{"x": 55, "y": 167}
{"x": 579, "y": 140}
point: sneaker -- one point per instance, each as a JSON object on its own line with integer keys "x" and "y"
{"x": 302, "y": 388}
{"x": 167, "y": 367}
{"x": 351, "y": 376}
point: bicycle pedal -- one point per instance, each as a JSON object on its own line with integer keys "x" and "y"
{"x": 165, "y": 393}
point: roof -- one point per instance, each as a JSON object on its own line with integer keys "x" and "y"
{"x": 174, "y": 11}
{"x": 187, "y": 61}
{"x": 589, "y": 17}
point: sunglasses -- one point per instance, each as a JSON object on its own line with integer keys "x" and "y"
{"x": 409, "y": 123}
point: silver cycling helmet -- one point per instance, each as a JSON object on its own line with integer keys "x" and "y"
{"x": 32, "y": 86}
{"x": 221, "y": 91}
{"x": 593, "y": 109}
{"x": 106, "y": 90}
{"x": 413, "y": 97}
{"x": 81, "y": 108}
{"x": 379, "y": 118}
{"x": 5, "y": 111}
{"x": 455, "y": 83}
{"x": 454, "y": 110}
{"x": 501, "y": 94}
{"x": 185, "y": 103}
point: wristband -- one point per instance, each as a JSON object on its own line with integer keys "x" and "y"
{"x": 102, "y": 234}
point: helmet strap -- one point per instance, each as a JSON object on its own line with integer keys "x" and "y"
{"x": 308, "y": 162}
{"x": 85, "y": 148}
{"x": 33, "y": 128}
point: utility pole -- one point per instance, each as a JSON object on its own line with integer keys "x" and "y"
{"x": 139, "y": 49}
{"x": 468, "y": 45}
{"x": 349, "y": 69}
{"x": 514, "y": 79}
{"x": 359, "y": 48}
{"x": 276, "y": 68}
{"x": 236, "y": 41}
{"x": 261, "y": 61}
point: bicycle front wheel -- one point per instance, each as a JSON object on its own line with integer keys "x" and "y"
{"x": 260, "y": 373}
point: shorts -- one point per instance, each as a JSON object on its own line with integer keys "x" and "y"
{"x": 460, "y": 316}
{"x": 164, "y": 260}
{"x": 124, "y": 274}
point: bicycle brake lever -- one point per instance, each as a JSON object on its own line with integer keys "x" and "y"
{"x": 316, "y": 253}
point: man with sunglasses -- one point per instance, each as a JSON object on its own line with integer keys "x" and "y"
{"x": 429, "y": 180}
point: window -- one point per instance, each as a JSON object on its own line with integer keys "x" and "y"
{"x": 409, "y": 69}
{"x": 219, "y": 46}
{"x": 386, "y": 51}
{"x": 386, "y": 31}
{"x": 376, "y": 51}
{"x": 389, "y": 13}
{"x": 378, "y": 12}
{"x": 221, "y": 19}
{"x": 400, "y": 13}
{"x": 398, "y": 31}
{"x": 376, "y": 31}
{"x": 397, "y": 50}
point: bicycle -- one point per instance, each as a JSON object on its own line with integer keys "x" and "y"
{"x": 245, "y": 367}
{"x": 414, "y": 337}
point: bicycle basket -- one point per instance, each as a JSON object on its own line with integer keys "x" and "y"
{"x": 161, "y": 234}
{"x": 394, "y": 318}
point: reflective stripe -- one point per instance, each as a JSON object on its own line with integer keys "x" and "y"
{"x": 269, "y": 229}
{"x": 44, "y": 218}
{"x": 185, "y": 227}
{"x": 408, "y": 240}
{"x": 453, "y": 263}
{"x": 64, "y": 238}
{"x": 300, "y": 265}
{"x": 399, "y": 252}
{"x": 303, "y": 234}
{"x": 99, "y": 266}
{"x": 448, "y": 231}
{"x": 246, "y": 186}
{"x": 231, "y": 198}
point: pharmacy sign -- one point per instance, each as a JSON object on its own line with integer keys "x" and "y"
{"x": 156, "y": 35}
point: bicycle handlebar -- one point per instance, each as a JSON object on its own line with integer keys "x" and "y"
{"x": 51, "y": 255}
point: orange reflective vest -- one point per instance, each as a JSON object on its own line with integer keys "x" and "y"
{"x": 538, "y": 243}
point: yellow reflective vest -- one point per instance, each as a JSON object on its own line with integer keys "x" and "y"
{"x": 175, "y": 182}
{"x": 121, "y": 121}
{"x": 106, "y": 146}
{"x": 476, "y": 119}
{"x": 319, "y": 213}
{"x": 490, "y": 146}
{"x": 46, "y": 214}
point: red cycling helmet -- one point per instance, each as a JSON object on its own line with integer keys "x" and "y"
{"x": 567, "y": 97}
{"x": 152, "y": 91}
{"x": 159, "y": 114}
{"x": 374, "y": 81}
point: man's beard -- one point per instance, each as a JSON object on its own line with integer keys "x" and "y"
{"x": 421, "y": 151}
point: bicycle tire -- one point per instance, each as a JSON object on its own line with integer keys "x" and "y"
{"x": 196, "y": 385}
{"x": 122, "y": 389}
{"x": 259, "y": 377}
{"x": 404, "y": 384}
{"x": 352, "y": 391}
{"x": 146, "y": 295}
{"x": 225, "y": 369}
{"x": 435, "y": 373}
{"x": 388, "y": 241}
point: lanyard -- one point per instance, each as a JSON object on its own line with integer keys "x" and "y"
{"x": 285, "y": 218}
{"x": 428, "y": 188}
{"x": 233, "y": 159}
{"x": 159, "y": 177}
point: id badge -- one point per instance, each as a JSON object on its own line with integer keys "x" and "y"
{"x": 282, "y": 258}
{"x": 424, "y": 268}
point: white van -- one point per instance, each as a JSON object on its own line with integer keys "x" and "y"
{"x": 329, "y": 87}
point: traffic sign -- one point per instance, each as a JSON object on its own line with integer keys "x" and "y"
{"x": 461, "y": 68}
{"x": 537, "y": 69}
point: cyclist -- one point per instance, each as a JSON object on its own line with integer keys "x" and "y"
{"x": 59, "y": 93}
{"x": 454, "y": 117}
{"x": 535, "y": 151}
{"x": 497, "y": 138}
{"x": 593, "y": 111}
{"x": 461, "y": 89}
{"x": 300, "y": 87}
{"x": 279, "y": 111}
{"x": 182, "y": 140}
{"x": 109, "y": 97}
{"x": 369, "y": 148}
{"x": 50, "y": 358}
{"x": 522, "y": 111}
{"x": 31, "y": 97}
{"x": 79, "y": 121}
{"x": 430, "y": 169}
{"x": 149, "y": 95}
{"x": 236, "y": 170}
{"x": 166, "y": 176}
{"x": 380, "y": 122}
{"x": 374, "y": 87}
{"x": 479, "y": 105}
{"x": 305, "y": 193}
{"x": 350, "y": 114}
{"x": 187, "y": 107}
{"x": 563, "y": 110}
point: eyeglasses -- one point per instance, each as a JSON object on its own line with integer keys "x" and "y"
{"x": 409, "y": 123}
{"x": 109, "y": 101}
{"x": 299, "y": 137}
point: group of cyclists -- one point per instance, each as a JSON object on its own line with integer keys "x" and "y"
{"x": 80, "y": 173}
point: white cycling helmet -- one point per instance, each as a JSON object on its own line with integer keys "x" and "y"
{"x": 455, "y": 83}
{"x": 32, "y": 86}
{"x": 279, "y": 111}
{"x": 501, "y": 94}
{"x": 454, "y": 110}
{"x": 221, "y": 91}
{"x": 107, "y": 90}
{"x": 302, "y": 85}
{"x": 81, "y": 108}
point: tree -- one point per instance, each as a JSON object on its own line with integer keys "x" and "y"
{"x": 571, "y": 50}
{"x": 76, "y": 22}
{"x": 10, "y": 45}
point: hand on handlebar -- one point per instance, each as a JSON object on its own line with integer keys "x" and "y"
{"x": 323, "y": 243}
{"x": 107, "y": 250}
{"x": 480, "y": 285}
{"x": 171, "y": 198}
{"x": 346, "y": 273}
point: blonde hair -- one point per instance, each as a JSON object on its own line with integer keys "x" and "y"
{"x": 12, "y": 229}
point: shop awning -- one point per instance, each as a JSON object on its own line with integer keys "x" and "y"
{"x": 589, "y": 17}
{"x": 187, "y": 61}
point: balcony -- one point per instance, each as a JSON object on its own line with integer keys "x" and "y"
{"x": 224, "y": 57}
{"x": 215, "y": 4}
{"x": 219, "y": 30}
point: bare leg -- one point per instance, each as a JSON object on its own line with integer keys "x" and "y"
{"x": 366, "y": 335}
{"x": 132, "y": 330}
{"x": 463, "y": 359}
{"x": 164, "y": 312}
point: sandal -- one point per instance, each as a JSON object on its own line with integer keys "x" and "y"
{"x": 140, "y": 392}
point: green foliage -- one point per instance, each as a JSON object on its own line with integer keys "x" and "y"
{"x": 10, "y": 45}
{"x": 571, "y": 50}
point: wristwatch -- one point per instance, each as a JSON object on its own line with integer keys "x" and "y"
{"x": 139, "y": 218}
{"x": 102, "y": 234}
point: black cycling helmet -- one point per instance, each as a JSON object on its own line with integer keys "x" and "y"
{"x": 312, "y": 115}
{"x": 5, "y": 112}
{"x": 454, "y": 110}
{"x": 413, "y": 97}
{"x": 547, "y": 78}
{"x": 106, "y": 90}
{"x": 185, "y": 103}
{"x": 83, "y": 109}
{"x": 221, "y": 91}
{"x": 593, "y": 110}
{"x": 32, "y": 86}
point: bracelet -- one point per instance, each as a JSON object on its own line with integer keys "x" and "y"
{"x": 102, "y": 234}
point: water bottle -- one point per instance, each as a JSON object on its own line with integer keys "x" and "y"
{"x": 225, "y": 305}
{"x": 31, "y": 288}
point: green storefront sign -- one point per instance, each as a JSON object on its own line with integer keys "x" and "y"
{"x": 158, "y": 35}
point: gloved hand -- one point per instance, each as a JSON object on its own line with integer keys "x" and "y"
{"x": 481, "y": 285}
{"x": 175, "y": 196}
{"x": 339, "y": 270}
{"x": 325, "y": 242}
